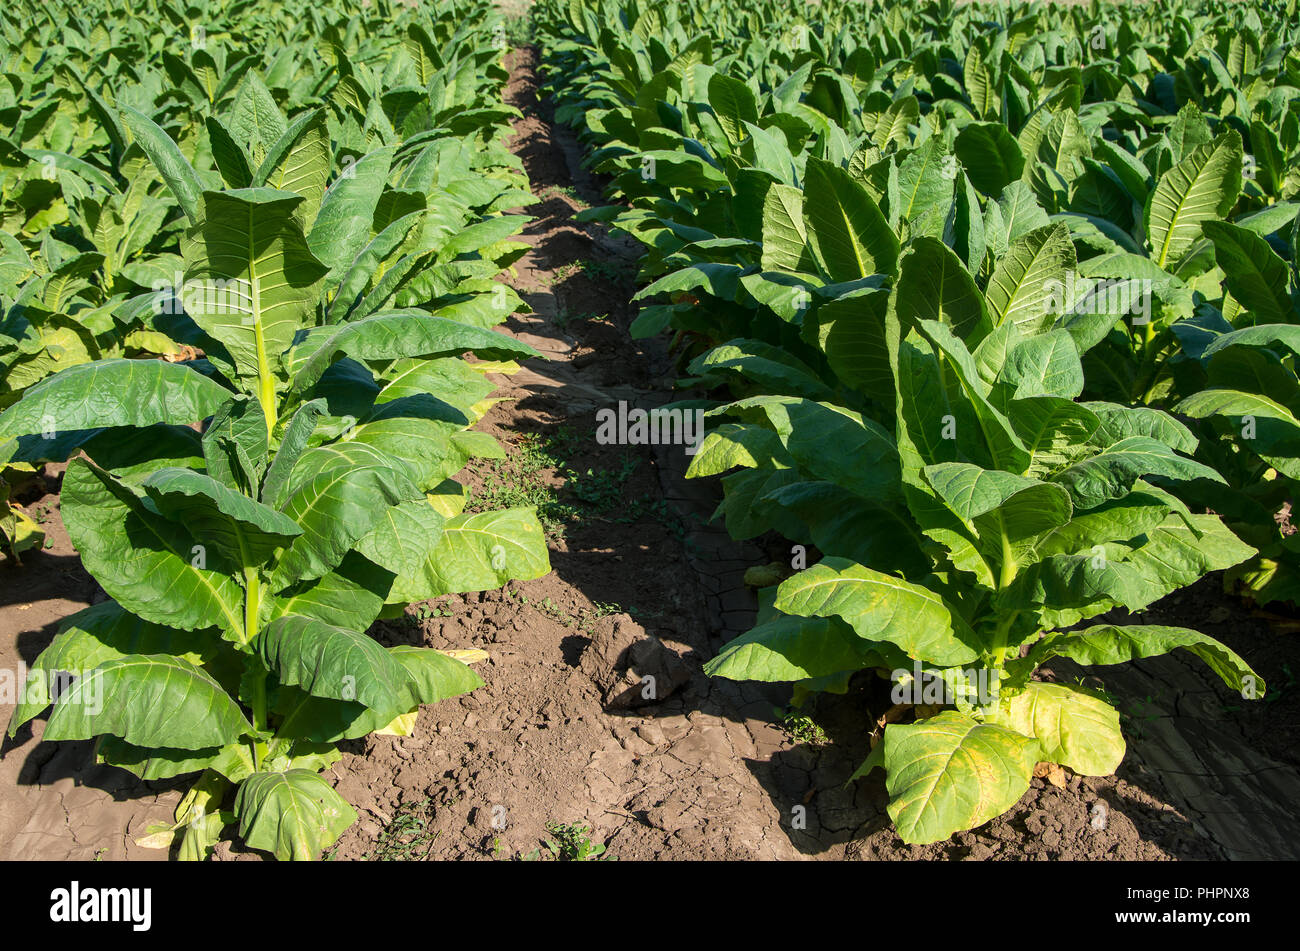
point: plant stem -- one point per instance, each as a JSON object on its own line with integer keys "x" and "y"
{"x": 252, "y": 609}
{"x": 1009, "y": 566}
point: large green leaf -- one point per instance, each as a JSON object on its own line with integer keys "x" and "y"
{"x": 299, "y": 162}
{"x": 342, "y": 226}
{"x": 1255, "y": 274}
{"x": 1112, "y": 472}
{"x": 933, "y": 284}
{"x": 1044, "y": 365}
{"x": 790, "y": 648}
{"x": 1202, "y": 187}
{"x": 351, "y": 595}
{"x": 1118, "y": 643}
{"x": 148, "y": 700}
{"x": 405, "y": 333}
{"x": 252, "y": 283}
{"x": 478, "y": 552}
{"x": 949, "y": 773}
{"x": 785, "y": 236}
{"x": 247, "y": 531}
{"x": 850, "y": 236}
{"x": 150, "y": 565}
{"x": 293, "y": 815}
{"x": 113, "y": 393}
{"x": 337, "y": 494}
{"x": 1026, "y": 286}
{"x": 733, "y": 104}
{"x": 990, "y": 155}
{"x": 1074, "y": 727}
{"x": 433, "y": 675}
{"x": 92, "y": 636}
{"x": 333, "y": 662}
{"x": 880, "y": 607}
{"x": 175, "y": 169}
{"x": 1273, "y": 431}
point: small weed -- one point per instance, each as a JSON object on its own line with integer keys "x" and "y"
{"x": 521, "y": 480}
{"x": 801, "y": 728}
{"x": 572, "y": 843}
{"x": 564, "y": 318}
{"x": 561, "y": 273}
{"x": 519, "y": 27}
{"x": 407, "y": 837}
{"x": 569, "y": 192}
{"x": 602, "y": 271}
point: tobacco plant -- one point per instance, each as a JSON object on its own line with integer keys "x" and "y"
{"x": 962, "y": 550}
{"x": 931, "y": 260}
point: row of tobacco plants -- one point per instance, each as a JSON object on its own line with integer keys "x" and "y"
{"x": 999, "y": 299}
{"x": 246, "y": 250}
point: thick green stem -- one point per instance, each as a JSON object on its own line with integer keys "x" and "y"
{"x": 265, "y": 384}
{"x": 252, "y": 609}
{"x": 1009, "y": 566}
{"x": 1006, "y": 576}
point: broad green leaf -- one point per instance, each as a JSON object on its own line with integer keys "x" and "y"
{"x": 92, "y": 636}
{"x": 293, "y": 815}
{"x": 113, "y": 393}
{"x": 299, "y": 162}
{"x": 849, "y": 234}
{"x": 247, "y": 531}
{"x": 479, "y": 552}
{"x": 1029, "y": 277}
{"x": 1044, "y": 365}
{"x": 433, "y": 675}
{"x": 397, "y": 334}
{"x": 337, "y": 494}
{"x": 1074, "y": 727}
{"x": 990, "y": 155}
{"x": 150, "y": 565}
{"x": 175, "y": 169}
{"x": 251, "y": 283}
{"x": 351, "y": 595}
{"x": 733, "y": 104}
{"x": 933, "y": 284}
{"x": 1111, "y": 473}
{"x": 1202, "y": 187}
{"x": 1118, "y": 643}
{"x": 333, "y": 662}
{"x": 949, "y": 773}
{"x": 789, "y": 648}
{"x": 235, "y": 762}
{"x": 1256, "y": 276}
{"x": 149, "y": 700}
{"x": 342, "y": 226}
{"x": 785, "y": 236}
{"x": 880, "y": 607}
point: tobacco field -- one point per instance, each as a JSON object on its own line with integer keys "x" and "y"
{"x": 597, "y": 429}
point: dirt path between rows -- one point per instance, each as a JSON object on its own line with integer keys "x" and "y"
{"x": 562, "y": 733}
